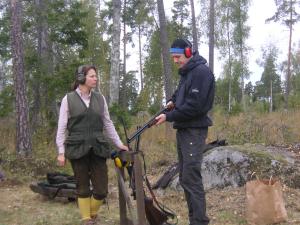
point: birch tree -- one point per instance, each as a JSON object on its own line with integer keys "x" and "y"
{"x": 115, "y": 54}
{"x": 240, "y": 35}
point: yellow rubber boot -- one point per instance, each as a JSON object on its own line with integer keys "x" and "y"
{"x": 84, "y": 205}
{"x": 95, "y": 205}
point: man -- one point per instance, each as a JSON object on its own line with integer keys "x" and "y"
{"x": 189, "y": 106}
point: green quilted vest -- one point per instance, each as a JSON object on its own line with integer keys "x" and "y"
{"x": 85, "y": 127}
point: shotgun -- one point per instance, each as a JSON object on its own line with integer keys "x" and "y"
{"x": 149, "y": 124}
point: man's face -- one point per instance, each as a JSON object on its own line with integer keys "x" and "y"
{"x": 179, "y": 59}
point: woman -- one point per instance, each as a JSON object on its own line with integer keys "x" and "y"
{"x": 83, "y": 119}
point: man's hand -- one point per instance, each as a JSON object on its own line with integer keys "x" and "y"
{"x": 160, "y": 119}
{"x": 170, "y": 105}
{"x": 61, "y": 160}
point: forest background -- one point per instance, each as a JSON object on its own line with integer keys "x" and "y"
{"x": 44, "y": 41}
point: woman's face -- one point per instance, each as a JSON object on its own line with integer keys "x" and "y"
{"x": 91, "y": 79}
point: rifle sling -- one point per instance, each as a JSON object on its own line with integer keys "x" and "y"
{"x": 164, "y": 209}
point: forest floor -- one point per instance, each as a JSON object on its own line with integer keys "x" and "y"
{"x": 20, "y": 206}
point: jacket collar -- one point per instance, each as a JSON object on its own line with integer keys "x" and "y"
{"x": 192, "y": 63}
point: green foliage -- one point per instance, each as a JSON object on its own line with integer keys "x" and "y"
{"x": 295, "y": 79}
{"x": 120, "y": 115}
{"x": 141, "y": 102}
{"x": 153, "y": 72}
{"x": 66, "y": 23}
{"x": 138, "y": 16}
{"x": 128, "y": 90}
{"x": 285, "y": 10}
{"x": 221, "y": 95}
{"x": 294, "y": 101}
{"x": 181, "y": 12}
{"x": 231, "y": 32}
{"x": 261, "y": 106}
{"x": 236, "y": 109}
{"x": 6, "y": 101}
{"x": 269, "y": 74}
{"x": 5, "y": 51}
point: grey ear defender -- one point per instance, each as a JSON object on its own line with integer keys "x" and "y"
{"x": 80, "y": 74}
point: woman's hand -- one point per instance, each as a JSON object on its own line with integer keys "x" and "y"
{"x": 123, "y": 147}
{"x": 61, "y": 160}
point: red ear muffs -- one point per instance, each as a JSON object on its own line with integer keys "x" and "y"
{"x": 188, "y": 52}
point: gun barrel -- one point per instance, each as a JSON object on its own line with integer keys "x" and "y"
{"x": 145, "y": 126}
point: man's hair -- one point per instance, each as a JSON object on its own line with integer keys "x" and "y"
{"x": 182, "y": 46}
{"x": 181, "y": 43}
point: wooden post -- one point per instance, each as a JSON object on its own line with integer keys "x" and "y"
{"x": 140, "y": 195}
{"x": 123, "y": 201}
{"x": 124, "y": 198}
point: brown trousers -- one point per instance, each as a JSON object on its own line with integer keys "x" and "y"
{"x": 90, "y": 172}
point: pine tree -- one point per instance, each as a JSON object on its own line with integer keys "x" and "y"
{"x": 23, "y": 137}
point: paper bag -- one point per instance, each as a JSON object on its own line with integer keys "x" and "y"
{"x": 264, "y": 202}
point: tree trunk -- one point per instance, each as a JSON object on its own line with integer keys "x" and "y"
{"x": 115, "y": 54}
{"x": 241, "y": 51}
{"x": 165, "y": 57}
{"x": 194, "y": 26}
{"x": 23, "y": 137}
{"x": 124, "y": 40}
{"x": 165, "y": 49}
{"x": 140, "y": 55}
{"x": 2, "y": 76}
{"x": 288, "y": 74}
{"x": 229, "y": 62}
{"x": 271, "y": 96}
{"x": 243, "y": 81}
{"x": 45, "y": 63}
{"x": 211, "y": 34}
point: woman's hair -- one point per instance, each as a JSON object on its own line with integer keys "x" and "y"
{"x": 84, "y": 69}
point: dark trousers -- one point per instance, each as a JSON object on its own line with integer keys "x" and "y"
{"x": 91, "y": 169}
{"x": 190, "y": 145}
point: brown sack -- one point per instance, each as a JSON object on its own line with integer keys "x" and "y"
{"x": 264, "y": 202}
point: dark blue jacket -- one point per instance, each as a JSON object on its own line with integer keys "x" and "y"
{"x": 194, "y": 95}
